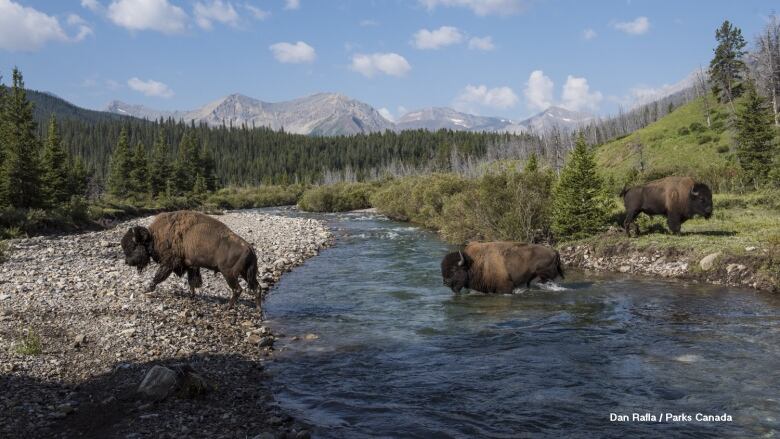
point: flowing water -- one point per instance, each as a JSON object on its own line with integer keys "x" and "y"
{"x": 399, "y": 355}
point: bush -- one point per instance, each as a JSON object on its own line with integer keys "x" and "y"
{"x": 684, "y": 131}
{"x": 29, "y": 344}
{"x": 722, "y": 149}
{"x": 255, "y": 197}
{"x": 705, "y": 138}
{"x": 696, "y": 127}
{"x": 507, "y": 205}
{"x": 418, "y": 199}
{"x": 339, "y": 197}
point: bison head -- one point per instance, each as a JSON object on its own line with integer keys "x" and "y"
{"x": 701, "y": 200}
{"x": 137, "y": 246}
{"x": 455, "y": 271}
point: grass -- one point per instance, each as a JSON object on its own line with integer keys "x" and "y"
{"x": 679, "y": 143}
{"x": 3, "y": 251}
{"x": 29, "y": 344}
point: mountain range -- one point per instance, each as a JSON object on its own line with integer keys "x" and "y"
{"x": 336, "y": 114}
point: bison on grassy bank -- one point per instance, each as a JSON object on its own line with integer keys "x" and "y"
{"x": 499, "y": 267}
{"x": 184, "y": 242}
{"x": 677, "y": 198}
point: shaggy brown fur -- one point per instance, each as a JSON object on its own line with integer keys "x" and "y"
{"x": 186, "y": 241}
{"x": 677, "y": 198}
{"x": 500, "y": 267}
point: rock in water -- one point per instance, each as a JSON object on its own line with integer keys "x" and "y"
{"x": 159, "y": 383}
{"x": 708, "y": 261}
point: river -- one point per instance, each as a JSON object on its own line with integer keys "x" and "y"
{"x": 400, "y": 355}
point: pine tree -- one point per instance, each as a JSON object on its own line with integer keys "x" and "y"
{"x": 160, "y": 168}
{"x": 581, "y": 204}
{"x": 78, "y": 177}
{"x": 55, "y": 168}
{"x": 727, "y": 66}
{"x": 208, "y": 168}
{"x": 2, "y": 123}
{"x": 119, "y": 173}
{"x": 754, "y": 135}
{"x": 532, "y": 165}
{"x": 187, "y": 165}
{"x": 20, "y": 184}
{"x": 139, "y": 174}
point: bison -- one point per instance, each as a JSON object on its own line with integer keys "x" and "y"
{"x": 183, "y": 242}
{"x": 499, "y": 267}
{"x": 678, "y": 198}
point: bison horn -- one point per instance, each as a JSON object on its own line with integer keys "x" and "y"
{"x": 694, "y": 193}
{"x": 462, "y": 259}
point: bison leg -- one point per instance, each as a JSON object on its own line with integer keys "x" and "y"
{"x": 673, "y": 221}
{"x": 232, "y": 282}
{"x": 630, "y": 216}
{"x": 162, "y": 273}
{"x": 193, "y": 279}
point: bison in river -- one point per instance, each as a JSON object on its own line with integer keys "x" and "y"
{"x": 678, "y": 198}
{"x": 499, "y": 267}
{"x": 183, "y": 242}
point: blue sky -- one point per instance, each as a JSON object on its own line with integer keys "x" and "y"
{"x": 507, "y": 58}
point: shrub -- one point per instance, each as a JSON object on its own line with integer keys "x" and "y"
{"x": 29, "y": 344}
{"x": 705, "y": 138}
{"x": 255, "y": 197}
{"x": 683, "y": 131}
{"x": 696, "y": 127}
{"x": 418, "y": 199}
{"x": 339, "y": 197}
{"x": 722, "y": 149}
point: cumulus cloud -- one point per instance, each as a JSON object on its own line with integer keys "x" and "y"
{"x": 480, "y": 7}
{"x": 482, "y": 96}
{"x": 23, "y": 28}
{"x": 156, "y": 15}
{"x": 290, "y": 53}
{"x": 83, "y": 29}
{"x": 481, "y": 43}
{"x": 386, "y": 114}
{"x": 369, "y": 65}
{"x": 589, "y": 34}
{"x": 216, "y": 10}
{"x": 638, "y": 26}
{"x": 150, "y": 87}
{"x": 438, "y": 38}
{"x": 259, "y": 14}
{"x": 577, "y": 95}
{"x": 292, "y": 4}
{"x": 92, "y": 5}
{"x": 539, "y": 90}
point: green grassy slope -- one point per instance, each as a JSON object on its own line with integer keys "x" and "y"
{"x": 680, "y": 143}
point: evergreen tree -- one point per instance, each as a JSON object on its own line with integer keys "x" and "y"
{"x": 581, "y": 204}
{"x": 532, "y": 165}
{"x": 187, "y": 165}
{"x": 20, "y": 184}
{"x": 727, "y": 66}
{"x": 754, "y": 135}
{"x": 2, "y": 123}
{"x": 199, "y": 187}
{"x": 160, "y": 167}
{"x": 119, "y": 173}
{"x": 78, "y": 177}
{"x": 55, "y": 168}
{"x": 139, "y": 174}
{"x": 208, "y": 168}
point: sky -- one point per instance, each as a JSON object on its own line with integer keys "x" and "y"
{"x": 507, "y": 58}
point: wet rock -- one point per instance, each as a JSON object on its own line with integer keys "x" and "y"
{"x": 708, "y": 261}
{"x": 311, "y": 337}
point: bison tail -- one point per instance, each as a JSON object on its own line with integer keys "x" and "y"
{"x": 559, "y": 265}
{"x": 251, "y": 271}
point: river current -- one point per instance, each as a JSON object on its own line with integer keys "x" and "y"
{"x": 397, "y": 354}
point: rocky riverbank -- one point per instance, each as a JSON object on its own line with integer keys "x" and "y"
{"x": 755, "y": 267}
{"x": 78, "y": 334}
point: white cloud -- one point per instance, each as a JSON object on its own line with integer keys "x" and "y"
{"x": 24, "y": 28}
{"x": 156, "y": 15}
{"x": 577, "y": 95}
{"x": 368, "y": 23}
{"x": 589, "y": 34}
{"x": 259, "y": 14}
{"x": 481, "y": 43}
{"x": 150, "y": 87}
{"x": 83, "y": 29}
{"x": 539, "y": 90}
{"x": 292, "y": 4}
{"x": 92, "y": 5}
{"x": 299, "y": 52}
{"x": 481, "y": 95}
{"x": 216, "y": 10}
{"x": 386, "y": 114}
{"x": 638, "y": 26}
{"x": 438, "y": 38}
{"x": 391, "y": 64}
{"x": 480, "y": 7}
